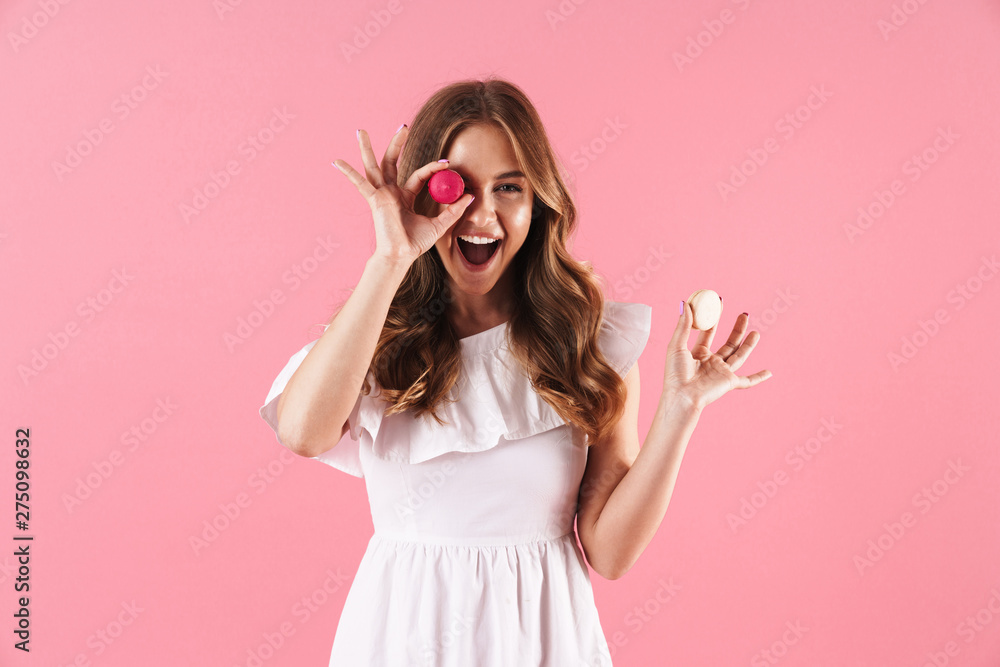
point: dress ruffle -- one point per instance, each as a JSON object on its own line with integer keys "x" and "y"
{"x": 498, "y": 401}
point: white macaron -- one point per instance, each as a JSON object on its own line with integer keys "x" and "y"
{"x": 707, "y": 307}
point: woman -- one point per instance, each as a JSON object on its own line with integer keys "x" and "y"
{"x": 506, "y": 406}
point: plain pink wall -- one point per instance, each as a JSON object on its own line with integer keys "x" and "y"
{"x": 118, "y": 115}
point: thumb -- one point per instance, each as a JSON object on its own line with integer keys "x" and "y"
{"x": 683, "y": 328}
{"x": 444, "y": 221}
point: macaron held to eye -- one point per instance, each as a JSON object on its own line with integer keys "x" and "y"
{"x": 446, "y": 186}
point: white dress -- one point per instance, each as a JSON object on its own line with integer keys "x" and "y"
{"x": 474, "y": 560}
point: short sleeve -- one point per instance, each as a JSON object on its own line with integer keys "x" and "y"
{"x": 345, "y": 455}
{"x": 624, "y": 333}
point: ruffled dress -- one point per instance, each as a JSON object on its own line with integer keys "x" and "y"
{"x": 474, "y": 560}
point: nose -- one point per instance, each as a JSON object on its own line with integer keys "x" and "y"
{"x": 480, "y": 212}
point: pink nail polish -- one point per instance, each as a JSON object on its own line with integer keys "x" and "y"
{"x": 358, "y": 134}
{"x": 444, "y": 160}
{"x": 680, "y": 311}
{"x": 399, "y": 128}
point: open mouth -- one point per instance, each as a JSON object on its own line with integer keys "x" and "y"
{"x": 478, "y": 253}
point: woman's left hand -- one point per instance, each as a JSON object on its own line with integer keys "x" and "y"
{"x": 701, "y": 376}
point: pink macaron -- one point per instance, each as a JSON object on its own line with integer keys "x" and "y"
{"x": 446, "y": 186}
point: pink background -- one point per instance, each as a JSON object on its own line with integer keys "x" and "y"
{"x": 646, "y": 140}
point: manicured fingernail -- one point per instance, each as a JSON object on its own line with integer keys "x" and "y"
{"x": 444, "y": 160}
{"x": 358, "y": 133}
{"x": 400, "y": 128}
{"x": 680, "y": 311}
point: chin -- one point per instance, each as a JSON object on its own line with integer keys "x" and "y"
{"x": 479, "y": 287}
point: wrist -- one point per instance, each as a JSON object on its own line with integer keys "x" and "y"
{"x": 394, "y": 267}
{"x": 681, "y": 403}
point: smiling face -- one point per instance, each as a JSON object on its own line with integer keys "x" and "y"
{"x": 485, "y": 159}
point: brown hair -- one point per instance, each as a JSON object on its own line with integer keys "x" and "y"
{"x": 558, "y": 301}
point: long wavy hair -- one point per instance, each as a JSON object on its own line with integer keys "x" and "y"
{"x": 558, "y": 301}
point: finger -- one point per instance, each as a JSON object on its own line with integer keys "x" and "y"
{"x": 755, "y": 379}
{"x": 392, "y": 152}
{"x": 444, "y": 221}
{"x": 735, "y": 337}
{"x": 360, "y": 182}
{"x": 737, "y": 358}
{"x": 705, "y": 337}
{"x": 415, "y": 183}
{"x": 679, "y": 338}
{"x": 368, "y": 157}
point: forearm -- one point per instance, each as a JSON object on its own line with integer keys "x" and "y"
{"x": 635, "y": 509}
{"x": 321, "y": 393}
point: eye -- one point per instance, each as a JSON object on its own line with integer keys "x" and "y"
{"x": 515, "y": 188}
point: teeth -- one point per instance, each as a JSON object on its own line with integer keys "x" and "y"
{"x": 479, "y": 240}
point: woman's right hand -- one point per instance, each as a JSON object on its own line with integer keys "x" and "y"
{"x": 400, "y": 234}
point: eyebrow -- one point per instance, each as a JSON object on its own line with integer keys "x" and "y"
{"x": 499, "y": 177}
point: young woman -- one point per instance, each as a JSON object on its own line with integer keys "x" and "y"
{"x": 491, "y": 395}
